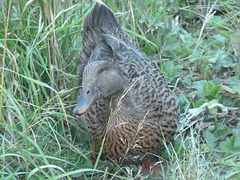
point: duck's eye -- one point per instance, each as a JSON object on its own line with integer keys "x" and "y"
{"x": 101, "y": 70}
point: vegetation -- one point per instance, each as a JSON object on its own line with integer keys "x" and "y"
{"x": 196, "y": 43}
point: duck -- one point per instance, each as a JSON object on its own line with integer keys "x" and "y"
{"x": 124, "y": 100}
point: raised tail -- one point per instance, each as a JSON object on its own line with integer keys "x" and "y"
{"x": 100, "y": 21}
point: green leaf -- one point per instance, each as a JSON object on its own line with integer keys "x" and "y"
{"x": 160, "y": 24}
{"x": 210, "y": 139}
{"x": 217, "y": 19}
{"x": 220, "y": 38}
{"x": 212, "y": 59}
{"x": 199, "y": 86}
{"x": 235, "y": 40}
{"x": 199, "y": 103}
{"x": 171, "y": 70}
{"x": 150, "y": 49}
{"x": 221, "y": 131}
{"x": 214, "y": 90}
{"x": 207, "y": 87}
{"x": 231, "y": 145}
{"x": 171, "y": 43}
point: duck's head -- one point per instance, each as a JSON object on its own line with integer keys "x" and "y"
{"x": 101, "y": 79}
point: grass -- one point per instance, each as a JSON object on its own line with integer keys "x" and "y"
{"x": 195, "y": 43}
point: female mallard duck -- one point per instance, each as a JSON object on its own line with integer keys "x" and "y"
{"x": 125, "y": 101}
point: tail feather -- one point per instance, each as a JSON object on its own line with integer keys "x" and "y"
{"x": 102, "y": 18}
{"x": 100, "y": 21}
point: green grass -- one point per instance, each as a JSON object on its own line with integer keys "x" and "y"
{"x": 195, "y": 43}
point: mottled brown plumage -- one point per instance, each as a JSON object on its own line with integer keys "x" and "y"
{"x": 124, "y": 98}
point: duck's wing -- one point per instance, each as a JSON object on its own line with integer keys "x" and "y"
{"x": 133, "y": 63}
{"x": 148, "y": 87}
{"x": 100, "y": 21}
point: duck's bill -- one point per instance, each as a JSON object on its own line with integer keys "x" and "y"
{"x": 85, "y": 102}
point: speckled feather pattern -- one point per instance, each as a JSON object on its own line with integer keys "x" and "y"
{"x": 137, "y": 120}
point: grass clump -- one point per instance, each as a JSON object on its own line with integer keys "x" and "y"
{"x": 195, "y": 43}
